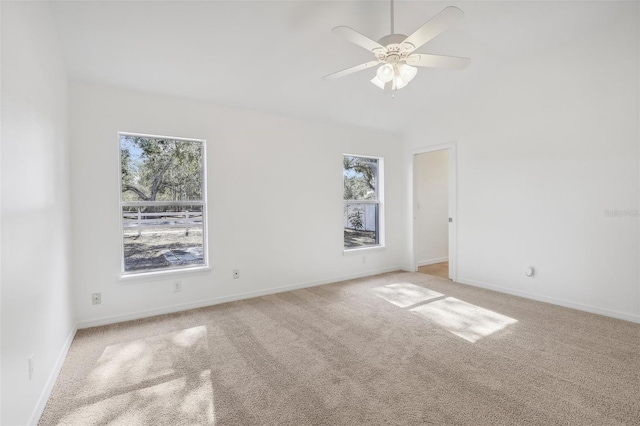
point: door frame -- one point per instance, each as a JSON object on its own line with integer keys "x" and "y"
{"x": 452, "y": 186}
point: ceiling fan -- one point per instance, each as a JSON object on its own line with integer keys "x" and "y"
{"x": 395, "y": 53}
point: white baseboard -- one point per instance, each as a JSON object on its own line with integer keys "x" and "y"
{"x": 554, "y": 301}
{"x": 432, "y": 261}
{"x": 224, "y": 299}
{"x": 51, "y": 381}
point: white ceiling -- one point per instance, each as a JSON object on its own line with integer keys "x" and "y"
{"x": 271, "y": 55}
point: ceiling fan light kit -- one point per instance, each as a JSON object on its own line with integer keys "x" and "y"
{"x": 395, "y": 54}
{"x": 398, "y": 75}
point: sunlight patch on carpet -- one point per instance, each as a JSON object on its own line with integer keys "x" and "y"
{"x": 405, "y": 294}
{"x": 151, "y": 405}
{"x": 149, "y": 381}
{"x": 463, "y": 319}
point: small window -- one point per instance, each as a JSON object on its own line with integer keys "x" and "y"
{"x": 362, "y": 201}
{"x": 163, "y": 205}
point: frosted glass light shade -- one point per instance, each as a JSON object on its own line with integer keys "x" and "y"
{"x": 377, "y": 82}
{"x": 399, "y": 83}
{"x": 385, "y": 73}
{"x": 407, "y": 72}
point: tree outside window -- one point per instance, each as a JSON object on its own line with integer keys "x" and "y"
{"x": 362, "y": 209}
{"x": 162, "y": 203}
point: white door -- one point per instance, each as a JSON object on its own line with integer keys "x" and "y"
{"x": 434, "y": 207}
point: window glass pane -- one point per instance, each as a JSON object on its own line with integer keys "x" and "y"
{"x": 162, "y": 203}
{"x": 158, "y": 169}
{"x": 162, "y": 237}
{"x": 360, "y": 177}
{"x": 360, "y": 225}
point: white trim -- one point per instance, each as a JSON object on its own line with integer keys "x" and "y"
{"x": 453, "y": 212}
{"x": 431, "y": 148}
{"x": 148, "y": 135}
{"x": 168, "y": 273}
{"x": 554, "y": 301}
{"x": 453, "y": 206}
{"x": 379, "y": 201}
{"x": 361, "y": 201}
{"x": 374, "y": 157}
{"x": 161, "y": 203}
{"x": 51, "y": 381}
{"x": 362, "y": 250}
{"x": 433, "y": 261}
{"x": 203, "y": 201}
{"x": 224, "y": 299}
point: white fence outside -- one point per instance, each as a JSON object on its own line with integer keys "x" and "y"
{"x": 368, "y": 216}
{"x": 139, "y": 220}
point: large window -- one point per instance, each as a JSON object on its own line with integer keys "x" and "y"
{"x": 162, "y": 203}
{"x": 362, "y": 201}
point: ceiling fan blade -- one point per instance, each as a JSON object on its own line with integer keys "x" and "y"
{"x": 435, "y": 26}
{"x": 437, "y": 61}
{"x": 355, "y": 37}
{"x": 351, "y": 70}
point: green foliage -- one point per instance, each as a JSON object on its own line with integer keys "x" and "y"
{"x": 360, "y": 178}
{"x": 155, "y": 169}
{"x": 356, "y": 218}
{"x": 125, "y": 165}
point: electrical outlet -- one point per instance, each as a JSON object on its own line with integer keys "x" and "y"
{"x": 236, "y": 274}
{"x": 30, "y": 362}
{"x": 96, "y": 298}
{"x": 177, "y": 286}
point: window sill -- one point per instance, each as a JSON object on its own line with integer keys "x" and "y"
{"x": 362, "y": 250}
{"x": 163, "y": 274}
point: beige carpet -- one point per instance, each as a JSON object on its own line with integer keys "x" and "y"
{"x": 399, "y": 348}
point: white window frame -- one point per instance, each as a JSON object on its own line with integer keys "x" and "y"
{"x": 380, "y": 202}
{"x": 205, "y": 240}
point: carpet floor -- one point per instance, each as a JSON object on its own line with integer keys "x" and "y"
{"x": 395, "y": 349}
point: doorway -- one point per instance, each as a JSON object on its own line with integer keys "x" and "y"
{"x": 433, "y": 211}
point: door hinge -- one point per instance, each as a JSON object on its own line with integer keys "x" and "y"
{"x": 450, "y": 220}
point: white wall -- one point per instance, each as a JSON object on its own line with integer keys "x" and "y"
{"x": 291, "y": 169}
{"x": 546, "y": 142}
{"x": 1, "y": 118}
{"x": 432, "y": 209}
{"x": 37, "y": 315}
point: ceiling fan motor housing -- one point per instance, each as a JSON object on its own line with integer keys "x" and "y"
{"x": 395, "y": 51}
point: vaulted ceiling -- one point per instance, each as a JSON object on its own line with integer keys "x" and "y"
{"x": 271, "y": 55}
